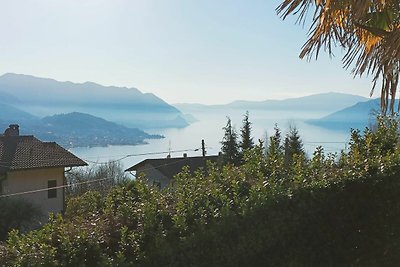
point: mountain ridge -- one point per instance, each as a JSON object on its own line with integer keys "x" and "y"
{"x": 357, "y": 116}
{"x": 329, "y": 102}
{"x": 127, "y": 106}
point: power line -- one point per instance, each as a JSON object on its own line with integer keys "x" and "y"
{"x": 51, "y": 188}
{"x": 79, "y": 183}
{"x": 124, "y": 157}
{"x": 143, "y": 154}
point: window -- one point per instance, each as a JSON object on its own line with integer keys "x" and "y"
{"x": 52, "y": 193}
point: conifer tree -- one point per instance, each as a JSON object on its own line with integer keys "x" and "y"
{"x": 275, "y": 158}
{"x": 230, "y": 147}
{"x": 274, "y": 147}
{"x": 247, "y": 141}
{"x": 293, "y": 145}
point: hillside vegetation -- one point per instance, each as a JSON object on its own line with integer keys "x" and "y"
{"x": 328, "y": 210}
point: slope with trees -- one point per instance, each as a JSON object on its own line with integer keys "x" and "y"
{"x": 335, "y": 210}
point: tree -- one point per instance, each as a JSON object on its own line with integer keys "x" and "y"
{"x": 245, "y": 132}
{"x": 99, "y": 178}
{"x": 293, "y": 145}
{"x": 230, "y": 147}
{"x": 274, "y": 147}
{"x": 367, "y": 30}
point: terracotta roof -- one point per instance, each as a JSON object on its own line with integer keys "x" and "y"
{"x": 27, "y": 152}
{"x": 172, "y": 166}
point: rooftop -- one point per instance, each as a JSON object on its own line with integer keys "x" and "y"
{"x": 27, "y": 152}
{"x": 172, "y": 166}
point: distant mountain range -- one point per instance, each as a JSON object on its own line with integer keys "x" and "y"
{"x": 127, "y": 106}
{"x": 326, "y": 102}
{"x": 357, "y": 116}
{"x": 89, "y": 114}
{"x": 342, "y": 111}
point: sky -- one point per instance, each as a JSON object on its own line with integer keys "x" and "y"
{"x": 184, "y": 51}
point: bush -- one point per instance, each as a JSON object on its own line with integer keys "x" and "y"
{"x": 17, "y": 214}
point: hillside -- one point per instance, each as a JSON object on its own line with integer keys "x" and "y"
{"x": 79, "y": 129}
{"x": 329, "y": 210}
{"x": 9, "y": 114}
{"x": 127, "y": 106}
{"x": 358, "y": 116}
{"x": 73, "y": 129}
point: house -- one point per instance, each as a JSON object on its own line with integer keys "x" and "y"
{"x": 29, "y": 168}
{"x": 160, "y": 172}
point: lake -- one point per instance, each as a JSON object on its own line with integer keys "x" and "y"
{"x": 209, "y": 127}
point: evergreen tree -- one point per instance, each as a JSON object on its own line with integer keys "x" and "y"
{"x": 274, "y": 147}
{"x": 293, "y": 145}
{"x": 247, "y": 141}
{"x": 230, "y": 147}
{"x": 275, "y": 158}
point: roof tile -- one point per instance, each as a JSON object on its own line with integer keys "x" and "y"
{"x": 28, "y": 152}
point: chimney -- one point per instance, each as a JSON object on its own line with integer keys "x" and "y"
{"x": 12, "y": 130}
{"x": 185, "y": 155}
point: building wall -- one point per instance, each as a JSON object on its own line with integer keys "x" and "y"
{"x": 153, "y": 176}
{"x": 34, "y": 179}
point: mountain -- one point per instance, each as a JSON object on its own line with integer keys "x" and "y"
{"x": 127, "y": 106}
{"x": 356, "y": 116}
{"x": 73, "y": 129}
{"x": 326, "y": 102}
{"x": 9, "y": 114}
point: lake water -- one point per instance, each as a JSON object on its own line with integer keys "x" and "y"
{"x": 209, "y": 127}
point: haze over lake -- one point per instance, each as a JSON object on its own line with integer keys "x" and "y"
{"x": 209, "y": 127}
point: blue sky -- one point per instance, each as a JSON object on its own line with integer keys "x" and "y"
{"x": 184, "y": 51}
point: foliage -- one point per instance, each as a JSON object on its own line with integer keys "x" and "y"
{"x": 368, "y": 31}
{"x": 16, "y": 214}
{"x": 330, "y": 210}
{"x": 230, "y": 147}
{"x": 246, "y": 142}
{"x": 293, "y": 146}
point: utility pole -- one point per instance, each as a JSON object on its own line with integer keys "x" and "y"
{"x": 203, "y": 147}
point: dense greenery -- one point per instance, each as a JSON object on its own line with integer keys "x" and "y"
{"x": 329, "y": 210}
{"x": 17, "y": 214}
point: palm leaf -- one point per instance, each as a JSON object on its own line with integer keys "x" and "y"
{"x": 368, "y": 30}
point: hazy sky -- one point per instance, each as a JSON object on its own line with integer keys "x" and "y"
{"x": 208, "y": 51}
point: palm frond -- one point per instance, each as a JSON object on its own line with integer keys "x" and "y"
{"x": 369, "y": 31}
